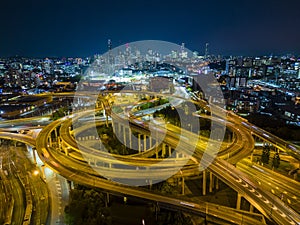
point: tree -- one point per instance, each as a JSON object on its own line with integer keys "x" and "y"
{"x": 61, "y": 112}
{"x": 87, "y": 206}
{"x": 174, "y": 218}
{"x": 276, "y": 160}
{"x": 265, "y": 155}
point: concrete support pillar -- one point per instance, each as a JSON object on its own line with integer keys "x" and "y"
{"x": 182, "y": 185}
{"x": 139, "y": 142}
{"x": 251, "y": 208}
{"x": 55, "y": 133}
{"x": 238, "y": 201}
{"x": 113, "y": 126}
{"x": 104, "y": 113}
{"x": 43, "y": 172}
{"x": 124, "y": 136}
{"x": 130, "y": 138}
{"x": 107, "y": 194}
{"x": 34, "y": 155}
{"x": 119, "y": 128}
{"x": 163, "y": 153}
{"x": 59, "y": 142}
{"x": 145, "y": 142}
{"x": 107, "y": 199}
{"x": 50, "y": 141}
{"x": 66, "y": 151}
{"x": 211, "y": 182}
{"x": 217, "y": 183}
{"x": 71, "y": 185}
{"x": 150, "y": 184}
{"x": 203, "y": 182}
{"x": 150, "y": 142}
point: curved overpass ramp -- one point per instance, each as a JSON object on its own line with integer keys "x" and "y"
{"x": 223, "y": 170}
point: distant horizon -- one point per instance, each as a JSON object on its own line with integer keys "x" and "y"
{"x": 43, "y": 56}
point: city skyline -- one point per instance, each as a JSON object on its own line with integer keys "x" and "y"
{"x": 180, "y": 139}
{"x": 149, "y": 112}
{"x": 69, "y": 29}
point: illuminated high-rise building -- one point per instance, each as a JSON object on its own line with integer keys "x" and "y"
{"x": 206, "y": 50}
{"x": 109, "y": 44}
{"x": 182, "y": 47}
{"x": 227, "y": 67}
{"x": 183, "y": 52}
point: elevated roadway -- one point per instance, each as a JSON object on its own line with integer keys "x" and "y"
{"x": 245, "y": 185}
{"x": 224, "y": 171}
{"x": 79, "y": 171}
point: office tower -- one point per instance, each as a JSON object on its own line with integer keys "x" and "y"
{"x": 206, "y": 50}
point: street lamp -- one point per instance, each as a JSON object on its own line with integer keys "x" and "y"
{"x": 35, "y": 173}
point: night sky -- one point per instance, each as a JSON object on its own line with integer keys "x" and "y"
{"x": 66, "y": 28}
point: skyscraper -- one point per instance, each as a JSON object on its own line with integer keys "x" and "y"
{"x": 206, "y": 50}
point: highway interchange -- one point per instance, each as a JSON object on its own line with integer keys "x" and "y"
{"x": 83, "y": 164}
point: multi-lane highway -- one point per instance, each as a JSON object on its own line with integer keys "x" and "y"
{"x": 254, "y": 194}
{"x": 61, "y": 159}
{"x": 29, "y": 193}
{"x": 56, "y": 160}
{"x": 282, "y": 187}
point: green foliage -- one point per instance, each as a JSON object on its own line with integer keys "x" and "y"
{"x": 166, "y": 188}
{"x": 170, "y": 114}
{"x": 276, "y": 160}
{"x": 153, "y": 103}
{"x": 163, "y": 101}
{"x": 99, "y": 113}
{"x": 61, "y": 112}
{"x": 117, "y": 109}
{"x": 205, "y": 133}
{"x": 104, "y": 130}
{"x": 173, "y": 218}
{"x": 146, "y": 105}
{"x": 87, "y": 206}
{"x": 265, "y": 155}
{"x": 111, "y": 143}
